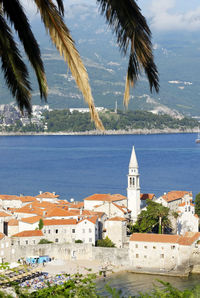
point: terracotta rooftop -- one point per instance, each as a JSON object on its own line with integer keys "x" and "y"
{"x": 47, "y": 195}
{"x": 4, "y": 214}
{"x": 145, "y": 196}
{"x": 34, "y": 233}
{"x": 154, "y": 238}
{"x": 106, "y": 197}
{"x": 91, "y": 219}
{"x": 1, "y": 236}
{"x": 187, "y": 239}
{"x": 13, "y": 222}
{"x": 19, "y": 198}
{"x": 121, "y": 208}
{"x": 77, "y": 205}
{"x": 52, "y": 222}
{"x": 117, "y": 218}
{"x": 175, "y": 195}
{"x": 58, "y": 212}
{"x": 31, "y": 220}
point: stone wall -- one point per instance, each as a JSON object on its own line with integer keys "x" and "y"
{"x": 77, "y": 251}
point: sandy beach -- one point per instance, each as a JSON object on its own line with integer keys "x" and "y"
{"x": 78, "y": 266}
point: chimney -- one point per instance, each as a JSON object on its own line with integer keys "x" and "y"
{"x": 54, "y": 193}
{"x": 40, "y": 192}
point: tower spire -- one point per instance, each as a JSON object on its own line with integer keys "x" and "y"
{"x": 133, "y": 190}
{"x": 133, "y": 161}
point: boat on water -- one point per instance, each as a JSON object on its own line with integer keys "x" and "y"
{"x": 198, "y": 138}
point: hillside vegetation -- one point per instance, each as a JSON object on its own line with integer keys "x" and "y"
{"x": 63, "y": 120}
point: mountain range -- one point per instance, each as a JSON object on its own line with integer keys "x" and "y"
{"x": 177, "y": 56}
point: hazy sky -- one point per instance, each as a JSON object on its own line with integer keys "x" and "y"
{"x": 163, "y": 14}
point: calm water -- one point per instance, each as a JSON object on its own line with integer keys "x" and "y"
{"x": 132, "y": 284}
{"x": 78, "y": 166}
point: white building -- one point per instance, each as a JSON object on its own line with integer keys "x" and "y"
{"x": 161, "y": 251}
{"x": 87, "y": 230}
{"x": 187, "y": 220}
{"x": 133, "y": 190}
{"x": 116, "y": 230}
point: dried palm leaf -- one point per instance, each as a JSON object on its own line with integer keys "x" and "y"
{"x": 63, "y": 41}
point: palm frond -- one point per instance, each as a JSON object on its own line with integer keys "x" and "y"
{"x": 15, "y": 71}
{"x": 60, "y": 6}
{"x": 14, "y": 12}
{"x": 63, "y": 41}
{"x": 129, "y": 25}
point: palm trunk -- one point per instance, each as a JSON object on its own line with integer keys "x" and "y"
{"x": 160, "y": 225}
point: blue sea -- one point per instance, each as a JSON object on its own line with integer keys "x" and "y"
{"x": 78, "y": 166}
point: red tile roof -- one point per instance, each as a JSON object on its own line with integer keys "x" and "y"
{"x": 2, "y": 236}
{"x": 34, "y": 233}
{"x": 13, "y": 222}
{"x": 106, "y": 197}
{"x": 92, "y": 219}
{"x": 175, "y": 195}
{"x": 187, "y": 239}
{"x": 154, "y": 238}
{"x": 59, "y": 222}
{"x": 47, "y": 195}
{"x": 59, "y": 212}
{"x": 145, "y": 196}
{"x": 31, "y": 220}
{"x": 4, "y": 214}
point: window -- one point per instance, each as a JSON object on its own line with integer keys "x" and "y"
{"x": 137, "y": 256}
{"x": 44, "y": 231}
{"x": 33, "y": 241}
{"x": 56, "y": 231}
{"x": 185, "y": 209}
{"x": 90, "y": 230}
{"x": 154, "y": 247}
{"x": 83, "y": 230}
{"x": 90, "y": 239}
{"x": 136, "y": 246}
{"x": 145, "y": 247}
{"x": 49, "y": 231}
{"x": 145, "y": 257}
{"x": 73, "y": 230}
{"x": 189, "y": 208}
{"x": 56, "y": 240}
{"x": 173, "y": 247}
{"x": 162, "y": 256}
{"x": 26, "y": 241}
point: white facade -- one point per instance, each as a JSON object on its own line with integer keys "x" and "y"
{"x": 187, "y": 220}
{"x": 133, "y": 190}
{"x": 116, "y": 231}
{"x": 87, "y": 230}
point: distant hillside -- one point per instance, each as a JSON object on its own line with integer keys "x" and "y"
{"x": 177, "y": 56}
{"x": 74, "y": 122}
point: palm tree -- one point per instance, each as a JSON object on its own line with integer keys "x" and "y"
{"x": 124, "y": 18}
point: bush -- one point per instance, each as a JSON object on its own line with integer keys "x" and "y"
{"x": 78, "y": 241}
{"x": 44, "y": 241}
{"x": 105, "y": 242}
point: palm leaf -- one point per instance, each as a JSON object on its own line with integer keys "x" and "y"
{"x": 15, "y": 71}
{"x": 14, "y": 12}
{"x": 129, "y": 25}
{"x": 63, "y": 41}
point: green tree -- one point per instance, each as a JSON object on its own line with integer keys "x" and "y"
{"x": 44, "y": 241}
{"x": 197, "y": 204}
{"x": 40, "y": 224}
{"x": 125, "y": 19}
{"x": 154, "y": 219}
{"x": 105, "y": 242}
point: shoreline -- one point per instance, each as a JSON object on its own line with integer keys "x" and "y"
{"x": 102, "y": 133}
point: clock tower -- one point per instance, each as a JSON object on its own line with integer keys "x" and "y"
{"x": 133, "y": 190}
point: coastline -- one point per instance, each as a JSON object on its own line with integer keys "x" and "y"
{"x": 106, "y": 132}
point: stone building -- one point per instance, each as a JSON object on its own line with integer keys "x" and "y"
{"x": 161, "y": 252}
{"x": 27, "y": 237}
{"x": 116, "y": 230}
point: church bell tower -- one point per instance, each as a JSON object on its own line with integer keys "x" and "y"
{"x": 133, "y": 190}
